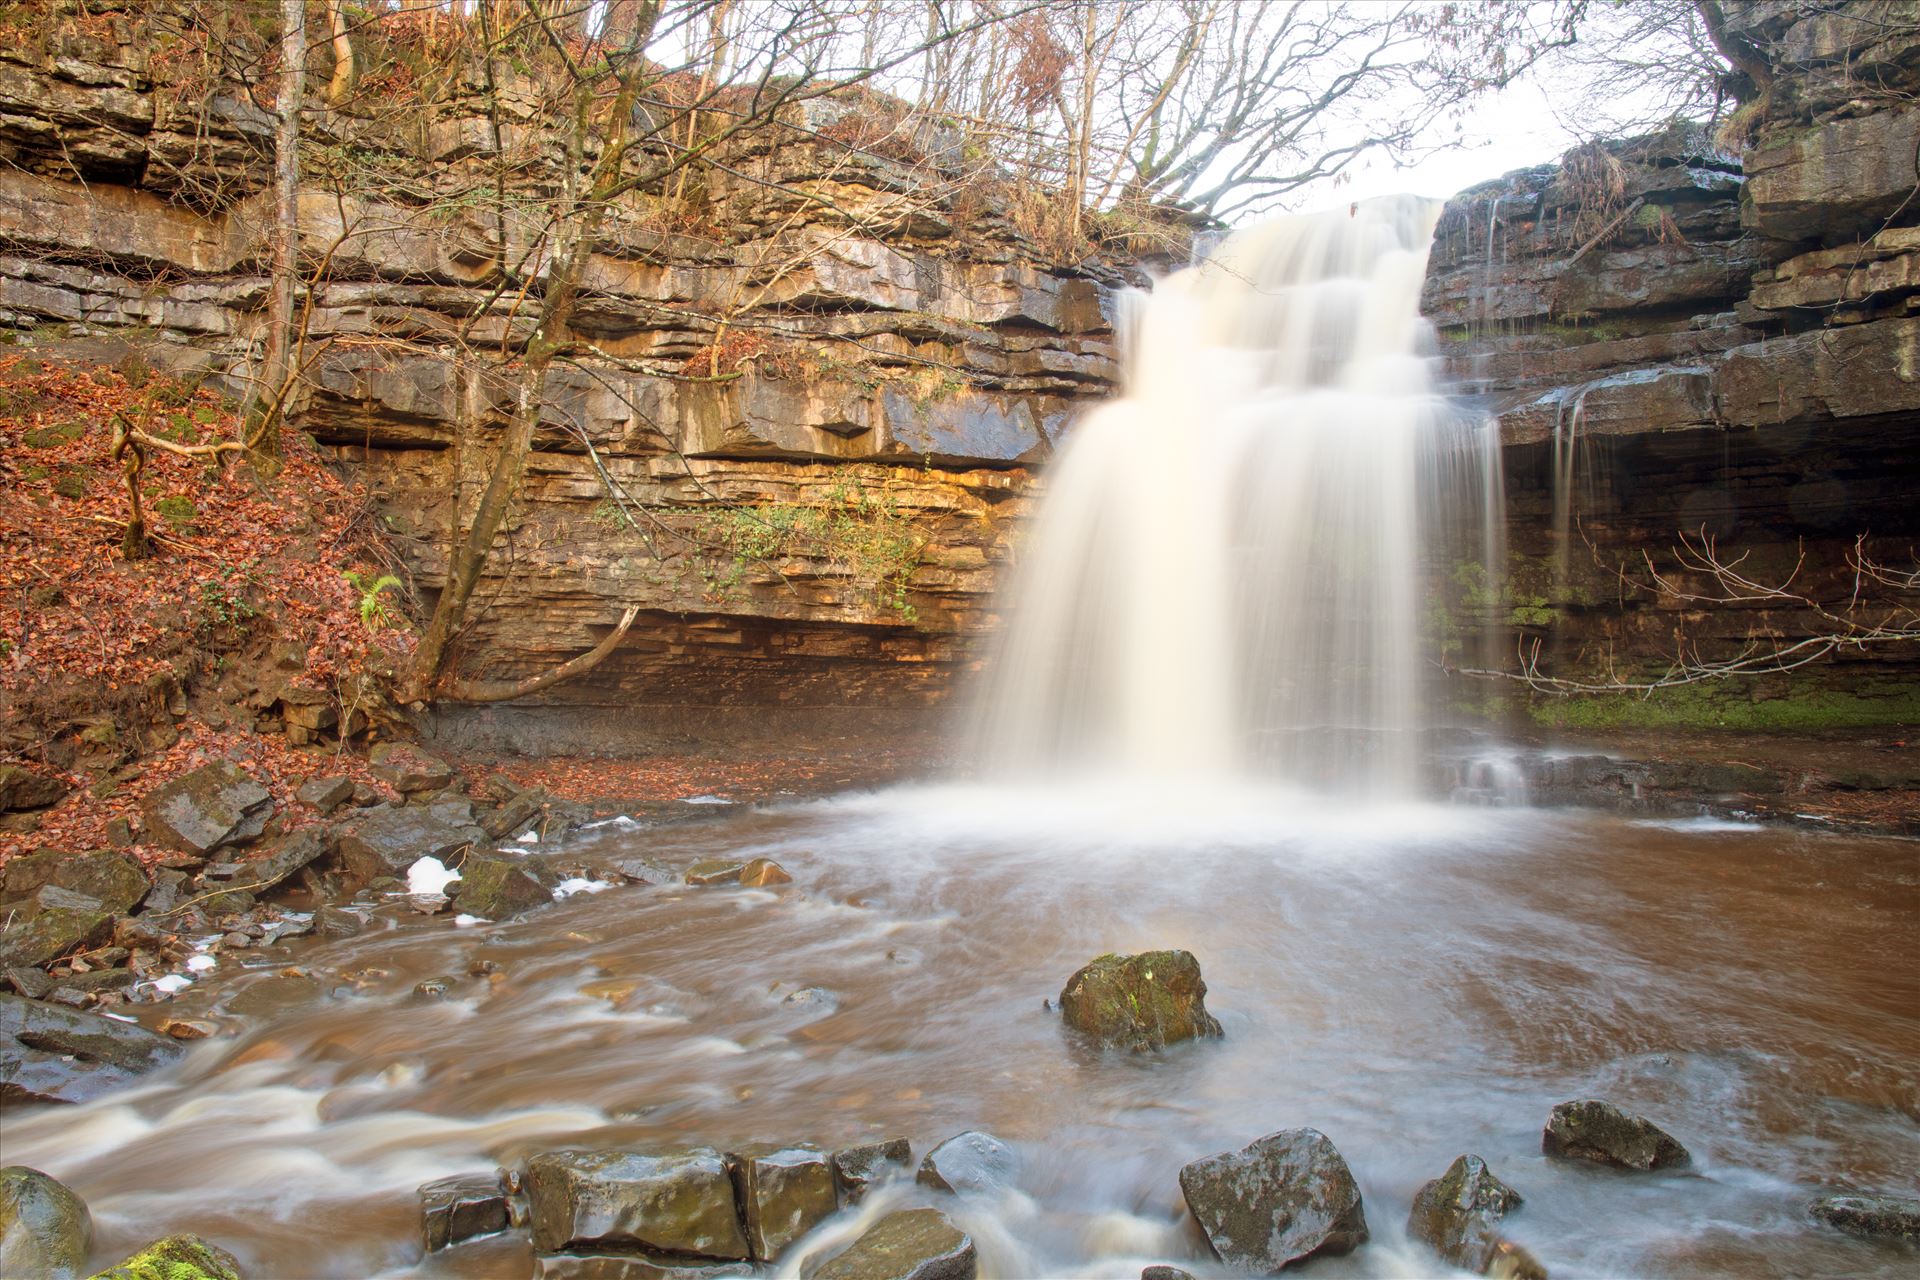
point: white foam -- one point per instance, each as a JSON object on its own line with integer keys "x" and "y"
{"x": 577, "y": 884}
{"x": 201, "y": 963}
{"x": 430, "y": 876}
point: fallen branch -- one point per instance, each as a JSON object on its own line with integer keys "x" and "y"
{"x": 506, "y": 690}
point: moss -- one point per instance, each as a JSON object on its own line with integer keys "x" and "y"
{"x": 176, "y": 1258}
{"x": 71, "y": 484}
{"x": 54, "y": 437}
{"x": 176, "y": 510}
{"x": 1724, "y": 705}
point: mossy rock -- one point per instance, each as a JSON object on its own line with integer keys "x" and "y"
{"x": 71, "y": 484}
{"x": 176, "y": 510}
{"x": 45, "y": 1229}
{"x": 1139, "y": 1002}
{"x": 176, "y": 1258}
{"x": 54, "y": 437}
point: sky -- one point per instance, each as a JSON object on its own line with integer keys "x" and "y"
{"x": 1513, "y": 129}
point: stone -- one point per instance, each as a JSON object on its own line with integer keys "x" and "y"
{"x": 858, "y": 1169}
{"x": 497, "y": 888}
{"x": 761, "y": 872}
{"x": 408, "y": 769}
{"x": 267, "y": 869}
{"x": 1458, "y": 1214}
{"x": 387, "y": 839}
{"x": 783, "y": 1192}
{"x": 1280, "y": 1200}
{"x": 460, "y": 1208}
{"x": 677, "y": 1200}
{"x": 215, "y": 806}
{"x": 21, "y": 789}
{"x": 336, "y": 922}
{"x": 176, "y": 1258}
{"x": 30, "y": 982}
{"x": 513, "y": 815}
{"x": 712, "y": 871}
{"x": 1141, "y": 1002}
{"x": 51, "y": 923}
{"x": 1833, "y": 181}
{"x": 1894, "y": 1217}
{"x": 969, "y": 1162}
{"x": 51, "y": 1054}
{"x": 1604, "y": 1134}
{"x": 574, "y": 1265}
{"x": 1161, "y": 1271}
{"x": 325, "y": 794}
{"x": 45, "y": 1229}
{"x": 114, "y": 879}
{"x": 908, "y": 1244}
{"x": 187, "y": 1028}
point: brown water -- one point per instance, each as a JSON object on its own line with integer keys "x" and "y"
{"x": 1416, "y": 983}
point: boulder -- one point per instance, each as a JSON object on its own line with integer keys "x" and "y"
{"x": 21, "y": 790}
{"x": 676, "y": 1200}
{"x": 574, "y": 1265}
{"x": 1458, "y": 1214}
{"x": 325, "y": 794}
{"x": 215, "y": 806}
{"x": 387, "y": 839}
{"x": 783, "y": 1192}
{"x": 1279, "y": 1200}
{"x": 116, "y": 880}
{"x": 1161, "y": 1271}
{"x": 45, "y": 1229}
{"x": 51, "y": 923}
{"x": 51, "y": 1054}
{"x": 460, "y": 1208}
{"x": 408, "y": 769}
{"x": 969, "y": 1162}
{"x": 176, "y": 1258}
{"x": 513, "y": 815}
{"x": 856, "y": 1169}
{"x": 1139, "y": 1002}
{"x": 336, "y": 922}
{"x": 275, "y": 863}
{"x": 1893, "y": 1217}
{"x": 712, "y": 871}
{"x": 762, "y": 872}
{"x": 497, "y": 888}
{"x": 1601, "y": 1132}
{"x": 908, "y": 1244}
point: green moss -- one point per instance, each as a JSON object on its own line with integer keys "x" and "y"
{"x": 54, "y": 437}
{"x": 71, "y": 484}
{"x": 176, "y": 1258}
{"x": 176, "y": 510}
{"x": 1725, "y": 705}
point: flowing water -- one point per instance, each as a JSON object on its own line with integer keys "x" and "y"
{"x": 1416, "y": 982}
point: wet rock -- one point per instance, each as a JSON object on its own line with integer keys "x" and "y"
{"x": 513, "y": 816}
{"x": 784, "y": 1192}
{"x": 634, "y": 867}
{"x": 762, "y": 872}
{"x": 817, "y": 1001}
{"x": 460, "y": 1208}
{"x": 21, "y": 790}
{"x": 336, "y": 922}
{"x": 408, "y": 769}
{"x": 215, "y": 806}
{"x": 629, "y": 1266}
{"x": 671, "y": 1200}
{"x": 857, "y": 1169}
{"x": 432, "y": 988}
{"x": 168, "y": 892}
{"x": 1601, "y": 1132}
{"x": 325, "y": 794}
{"x": 187, "y": 1028}
{"x": 1893, "y": 1217}
{"x": 30, "y": 982}
{"x": 1139, "y": 1002}
{"x": 969, "y": 1162}
{"x": 386, "y": 840}
{"x": 45, "y": 1229}
{"x": 279, "y": 860}
{"x": 1279, "y": 1200}
{"x": 497, "y": 888}
{"x": 712, "y": 871}
{"x": 50, "y": 1054}
{"x": 1161, "y": 1271}
{"x": 1458, "y": 1215}
{"x": 176, "y": 1258}
{"x": 51, "y": 923}
{"x": 909, "y": 1244}
{"x": 115, "y": 879}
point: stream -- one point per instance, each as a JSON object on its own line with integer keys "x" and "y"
{"x": 1417, "y": 982}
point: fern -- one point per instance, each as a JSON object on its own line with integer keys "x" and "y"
{"x": 374, "y": 613}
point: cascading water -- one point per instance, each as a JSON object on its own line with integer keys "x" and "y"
{"x": 1225, "y": 576}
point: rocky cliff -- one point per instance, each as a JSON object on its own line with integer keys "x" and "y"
{"x": 1682, "y": 343}
{"x": 817, "y": 396}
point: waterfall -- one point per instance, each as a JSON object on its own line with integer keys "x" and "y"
{"x": 1226, "y": 573}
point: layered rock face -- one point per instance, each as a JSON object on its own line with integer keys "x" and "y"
{"x": 818, "y": 400}
{"x": 1681, "y": 342}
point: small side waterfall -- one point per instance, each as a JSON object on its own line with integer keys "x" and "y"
{"x": 1225, "y": 576}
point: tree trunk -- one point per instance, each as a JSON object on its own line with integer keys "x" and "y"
{"x": 269, "y": 393}
{"x": 345, "y": 74}
{"x": 504, "y": 690}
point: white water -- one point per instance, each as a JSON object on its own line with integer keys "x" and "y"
{"x": 1224, "y": 578}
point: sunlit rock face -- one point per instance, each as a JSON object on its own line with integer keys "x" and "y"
{"x": 1678, "y": 339}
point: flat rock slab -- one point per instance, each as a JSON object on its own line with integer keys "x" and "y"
{"x": 408, "y": 769}
{"x": 1888, "y": 1217}
{"x": 1458, "y": 1215}
{"x": 386, "y": 840}
{"x": 969, "y": 1162}
{"x": 53, "y": 1054}
{"x": 575, "y": 1265}
{"x": 116, "y": 880}
{"x": 21, "y": 789}
{"x": 1139, "y": 1002}
{"x": 497, "y": 888}
{"x": 1280, "y": 1200}
{"x": 784, "y": 1192}
{"x": 460, "y": 1208}
{"x": 677, "y": 1200}
{"x": 858, "y": 1169}
{"x": 214, "y": 806}
{"x": 45, "y": 1229}
{"x": 910, "y": 1244}
{"x": 1589, "y": 1129}
{"x": 51, "y": 923}
{"x": 273, "y": 864}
